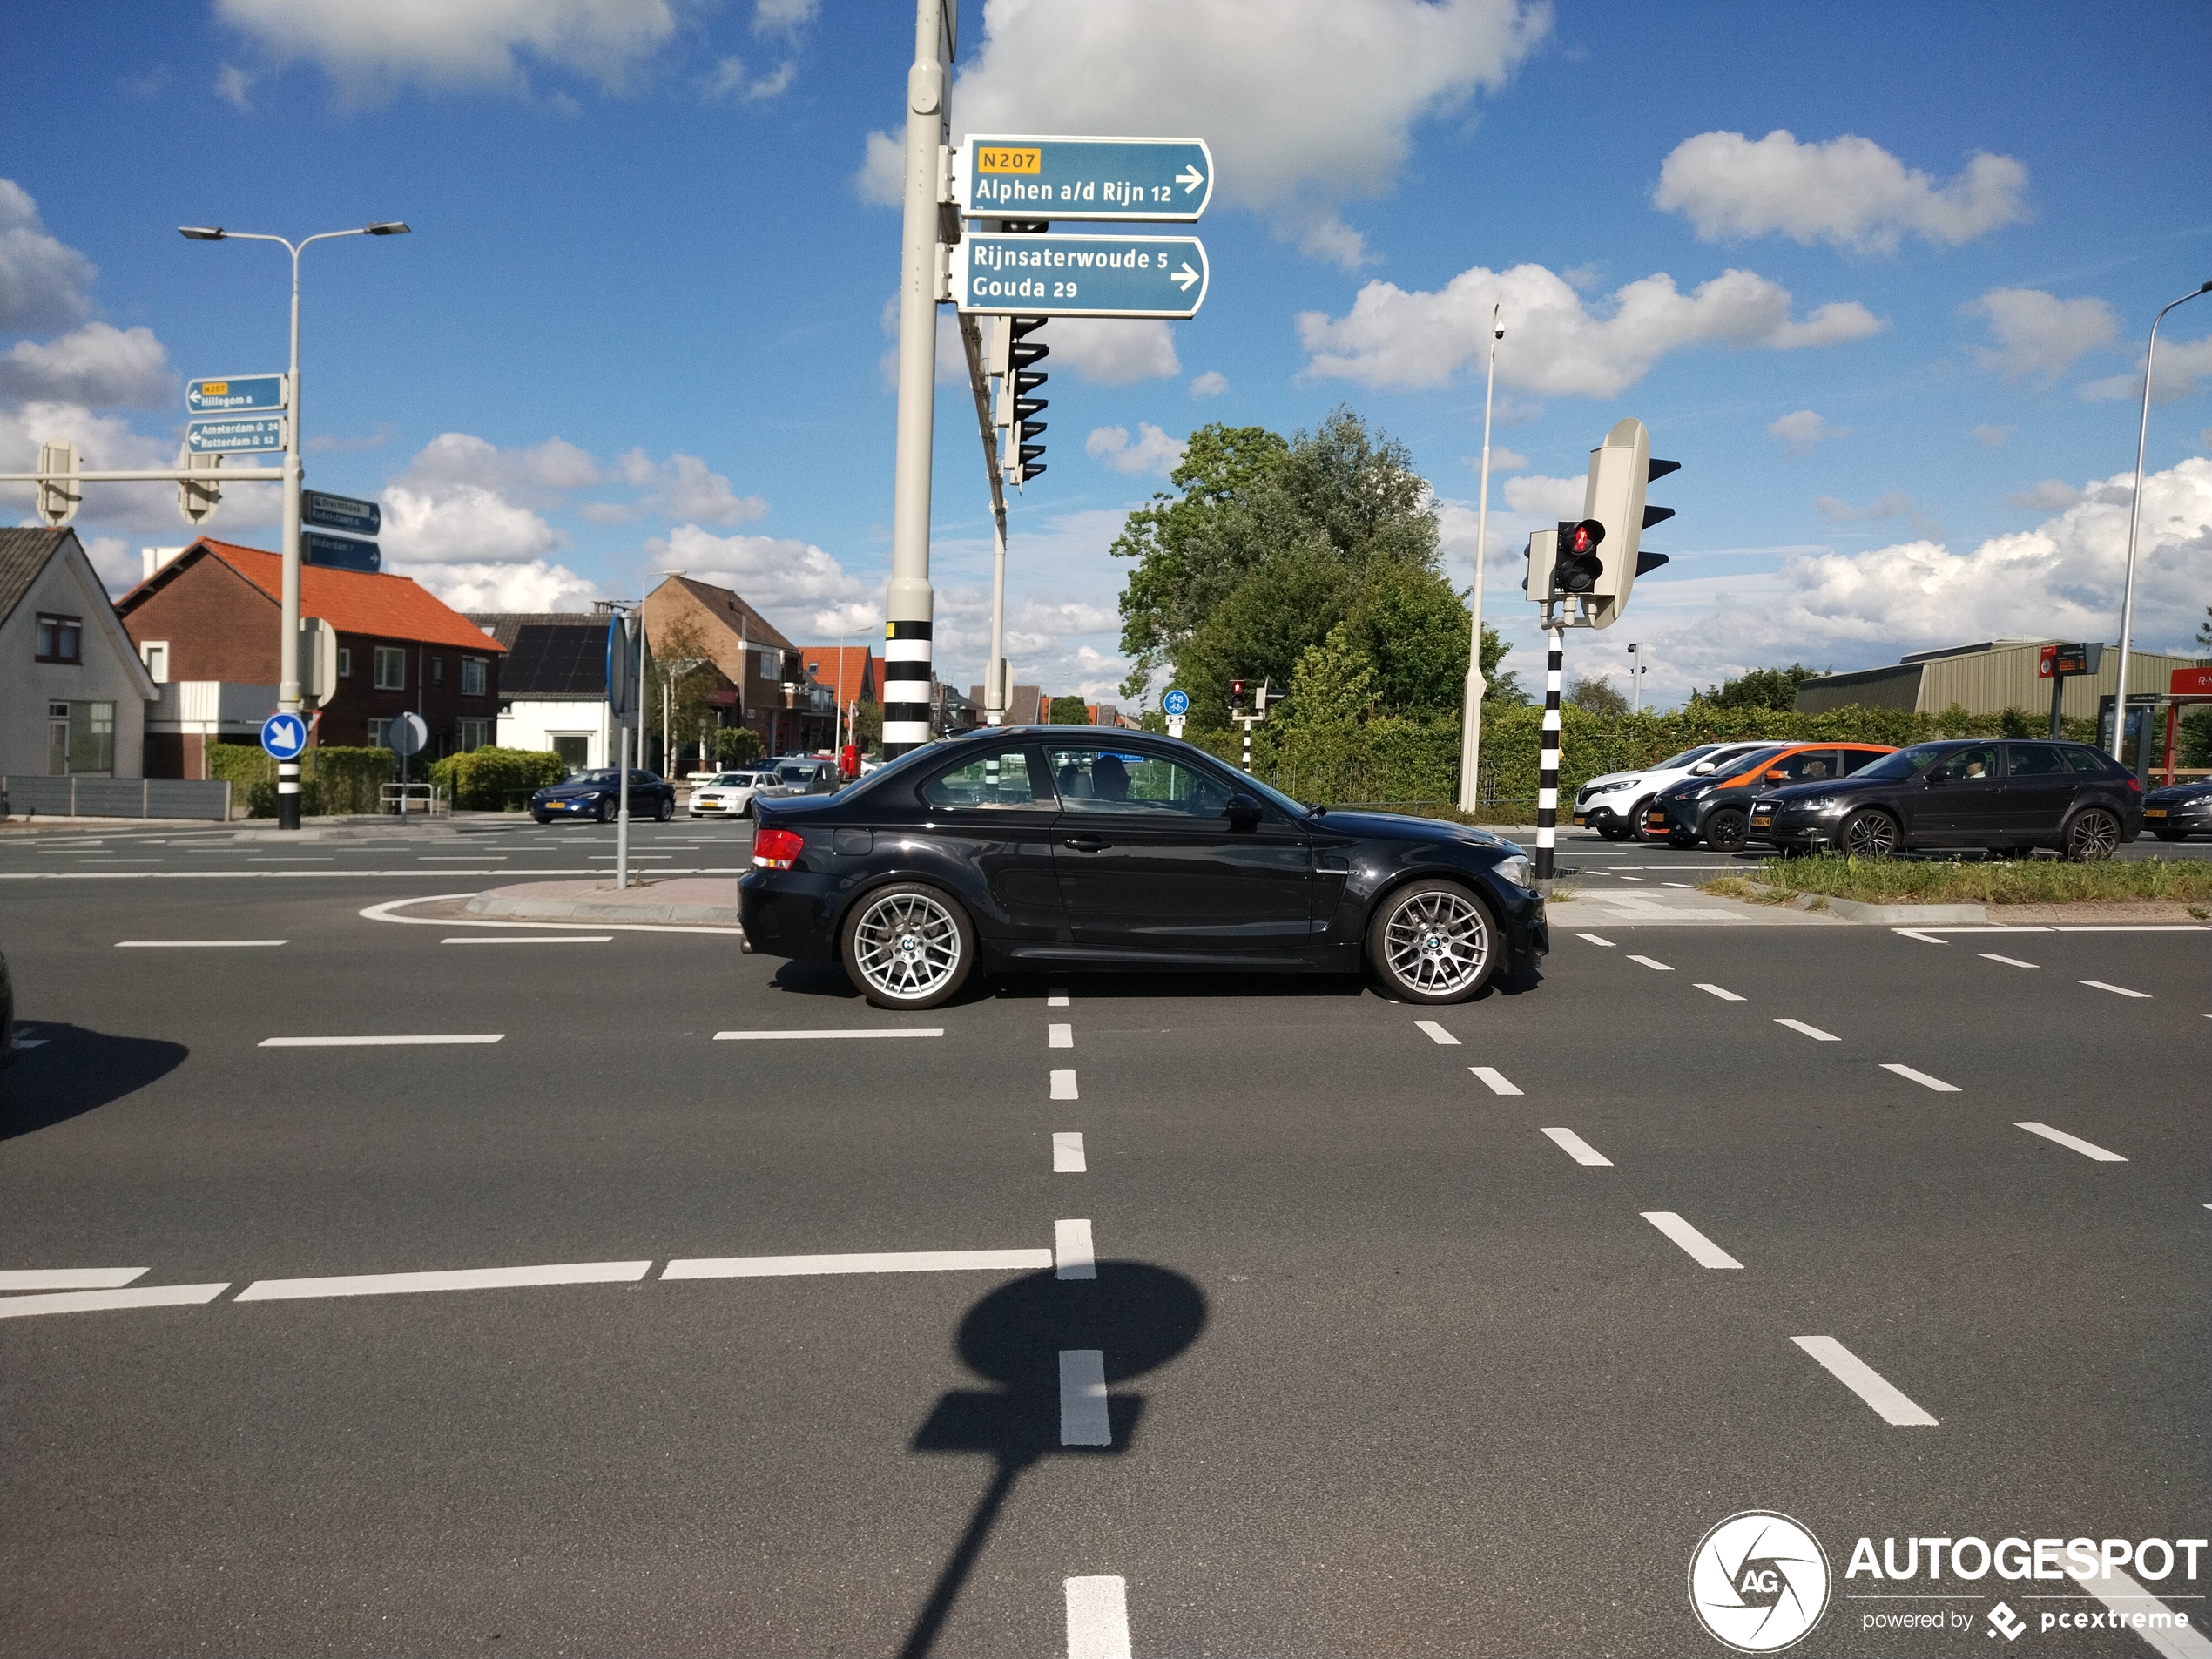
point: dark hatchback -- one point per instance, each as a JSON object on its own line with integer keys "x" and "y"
{"x": 2006, "y": 795}
{"x": 2179, "y": 811}
{"x": 597, "y": 796}
{"x": 1718, "y": 810}
{"x": 1036, "y": 848}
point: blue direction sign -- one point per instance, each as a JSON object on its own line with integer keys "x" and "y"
{"x": 340, "y": 513}
{"x": 235, "y": 435}
{"x": 237, "y": 395}
{"x": 284, "y": 735}
{"x": 1177, "y": 703}
{"x": 1080, "y": 276}
{"x": 1003, "y": 176}
{"x": 339, "y": 552}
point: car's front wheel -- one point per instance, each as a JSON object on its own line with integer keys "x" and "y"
{"x": 1433, "y": 941}
{"x": 542, "y": 818}
{"x": 1636, "y": 831}
{"x": 604, "y": 810}
{"x": 1870, "y": 834}
{"x": 908, "y": 946}
{"x": 2171, "y": 835}
{"x": 1614, "y": 831}
{"x": 2093, "y": 834}
{"x": 1728, "y": 831}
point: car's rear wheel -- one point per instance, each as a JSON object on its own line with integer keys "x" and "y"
{"x": 908, "y": 946}
{"x": 1870, "y": 834}
{"x": 665, "y": 811}
{"x": 1728, "y": 831}
{"x": 2094, "y": 834}
{"x": 1433, "y": 941}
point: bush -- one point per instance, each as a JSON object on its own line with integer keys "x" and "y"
{"x": 486, "y": 779}
{"x": 734, "y": 745}
{"x": 333, "y": 780}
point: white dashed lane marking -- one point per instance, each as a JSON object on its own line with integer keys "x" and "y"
{"x": 1578, "y": 1149}
{"x": 1059, "y": 1036}
{"x": 535, "y": 939}
{"x": 1595, "y": 940}
{"x": 1084, "y": 1419}
{"x": 2009, "y": 962}
{"x": 1701, "y": 1250}
{"x": 2171, "y": 1637}
{"x": 2117, "y": 990}
{"x": 2088, "y": 1149}
{"x": 70, "y": 1278}
{"x": 1064, "y": 1086}
{"x": 465, "y": 1278}
{"x": 1073, "y": 1255}
{"x": 789, "y": 1036}
{"x": 1889, "y": 1401}
{"x": 898, "y": 1261}
{"x": 1812, "y": 1031}
{"x": 197, "y": 944}
{"x": 144, "y": 1296}
{"x": 376, "y": 1042}
{"x": 1921, "y": 1078}
{"x": 1068, "y": 1153}
{"x": 1056, "y": 1000}
{"x": 1715, "y": 990}
{"x": 1648, "y": 962}
{"x": 1493, "y": 1080}
{"x": 1097, "y": 1618}
{"x": 1438, "y": 1034}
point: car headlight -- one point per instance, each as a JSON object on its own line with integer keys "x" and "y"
{"x": 1821, "y": 804}
{"x": 1519, "y": 869}
{"x": 1612, "y": 789}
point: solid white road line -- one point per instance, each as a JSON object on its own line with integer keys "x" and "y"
{"x": 1812, "y": 1031}
{"x": 1059, "y": 1036}
{"x": 1578, "y": 1149}
{"x": 1068, "y": 1152}
{"x": 1648, "y": 962}
{"x": 2088, "y": 1149}
{"x": 372, "y": 1043}
{"x": 1083, "y": 1420}
{"x": 536, "y": 938}
{"x": 1595, "y": 940}
{"x": 196, "y": 944}
{"x": 1097, "y": 1618}
{"x": 1072, "y": 1254}
{"x": 1888, "y": 1401}
{"x": 2009, "y": 962}
{"x": 147, "y": 1296}
{"x": 1438, "y": 1034}
{"x": 1056, "y": 1000}
{"x": 1493, "y": 1080}
{"x": 1064, "y": 1086}
{"x": 900, "y": 1261}
{"x": 1715, "y": 990}
{"x": 2117, "y": 990}
{"x": 69, "y": 1279}
{"x": 1921, "y": 1078}
{"x": 1703, "y": 1251}
{"x": 794, "y": 1036}
{"x": 460, "y": 1278}
{"x": 2171, "y": 1638}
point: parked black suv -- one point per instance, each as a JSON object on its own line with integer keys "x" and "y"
{"x": 2006, "y": 794}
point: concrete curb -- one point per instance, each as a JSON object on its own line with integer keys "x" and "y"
{"x": 1887, "y": 915}
{"x": 485, "y": 904}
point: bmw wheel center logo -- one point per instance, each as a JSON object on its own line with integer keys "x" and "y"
{"x": 1758, "y": 1581}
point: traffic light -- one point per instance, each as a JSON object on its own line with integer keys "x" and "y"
{"x": 1577, "y": 568}
{"x": 1613, "y": 501}
{"x": 1236, "y": 695}
{"x": 1542, "y": 555}
{"x": 59, "y": 494}
{"x": 196, "y": 499}
{"x": 1018, "y": 404}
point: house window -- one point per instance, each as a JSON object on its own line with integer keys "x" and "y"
{"x": 155, "y": 654}
{"x": 80, "y": 737}
{"x": 472, "y": 676}
{"x": 437, "y": 670}
{"x": 574, "y": 749}
{"x": 60, "y": 640}
{"x": 471, "y": 734}
{"x": 391, "y": 668}
{"x": 379, "y": 732}
{"x": 345, "y": 662}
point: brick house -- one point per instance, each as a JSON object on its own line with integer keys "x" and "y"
{"x": 209, "y": 618}
{"x": 754, "y": 657}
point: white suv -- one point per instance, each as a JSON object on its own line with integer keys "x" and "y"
{"x": 1613, "y": 804}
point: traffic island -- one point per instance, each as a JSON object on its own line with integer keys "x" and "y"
{"x": 699, "y": 898}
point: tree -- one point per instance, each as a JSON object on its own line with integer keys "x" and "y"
{"x": 1596, "y": 695}
{"x": 1499, "y": 686}
{"x": 868, "y": 727}
{"x": 679, "y": 661}
{"x": 2204, "y": 628}
{"x": 1762, "y": 688}
{"x": 735, "y": 745}
{"x": 1335, "y": 683}
{"x": 1071, "y": 710}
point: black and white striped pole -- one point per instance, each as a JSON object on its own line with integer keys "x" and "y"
{"x": 1547, "y": 763}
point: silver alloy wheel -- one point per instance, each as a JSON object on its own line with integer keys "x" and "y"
{"x": 1870, "y": 835}
{"x": 906, "y": 946}
{"x": 2095, "y": 834}
{"x": 1438, "y": 942}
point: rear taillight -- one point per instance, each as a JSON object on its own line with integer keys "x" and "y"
{"x": 777, "y": 849}
{"x": 2134, "y": 783}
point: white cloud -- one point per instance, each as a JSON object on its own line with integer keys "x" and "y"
{"x": 1502, "y": 459}
{"x": 41, "y": 279}
{"x": 1805, "y": 431}
{"x": 2037, "y": 334}
{"x": 1891, "y": 504}
{"x": 2183, "y": 367}
{"x": 370, "y": 50}
{"x": 802, "y": 590}
{"x": 462, "y": 524}
{"x": 535, "y": 584}
{"x": 1154, "y": 451}
{"x": 538, "y": 474}
{"x": 1212, "y": 383}
{"x": 1550, "y": 499}
{"x": 730, "y": 79}
{"x": 1305, "y": 103}
{"x": 96, "y": 365}
{"x": 784, "y": 17}
{"x": 235, "y": 86}
{"x": 1111, "y": 351}
{"x": 1849, "y": 191}
{"x": 2052, "y": 495}
{"x": 881, "y": 180}
{"x": 1554, "y": 342}
{"x": 680, "y": 487}
{"x": 1994, "y": 437}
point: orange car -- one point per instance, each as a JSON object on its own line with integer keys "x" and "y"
{"x": 1718, "y": 810}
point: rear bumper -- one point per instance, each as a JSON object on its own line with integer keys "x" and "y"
{"x": 789, "y": 913}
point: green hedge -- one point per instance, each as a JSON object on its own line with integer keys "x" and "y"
{"x": 332, "y": 780}
{"x": 494, "y": 779}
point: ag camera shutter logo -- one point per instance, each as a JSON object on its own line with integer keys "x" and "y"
{"x": 1758, "y": 1581}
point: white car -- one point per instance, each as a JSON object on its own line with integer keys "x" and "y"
{"x": 728, "y": 794}
{"x": 1612, "y": 803}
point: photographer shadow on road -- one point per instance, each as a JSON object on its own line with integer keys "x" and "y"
{"x": 1132, "y": 1318}
{"x": 73, "y": 1070}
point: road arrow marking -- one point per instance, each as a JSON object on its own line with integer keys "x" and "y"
{"x": 1189, "y": 178}
{"x": 1186, "y": 276}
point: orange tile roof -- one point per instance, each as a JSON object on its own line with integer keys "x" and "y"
{"x": 353, "y": 602}
{"x": 841, "y": 670}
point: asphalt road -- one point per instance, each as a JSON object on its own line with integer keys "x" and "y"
{"x": 1388, "y": 1369}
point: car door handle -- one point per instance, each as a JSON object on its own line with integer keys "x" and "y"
{"x": 1087, "y": 843}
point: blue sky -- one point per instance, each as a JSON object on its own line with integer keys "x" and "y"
{"x": 1877, "y": 277}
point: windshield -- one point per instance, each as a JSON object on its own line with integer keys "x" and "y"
{"x": 1675, "y": 762}
{"x": 1903, "y": 764}
{"x": 796, "y": 774}
{"x": 610, "y": 779}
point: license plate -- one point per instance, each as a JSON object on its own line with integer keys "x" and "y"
{"x": 2148, "y": 811}
{"x": 1578, "y": 820}
{"x": 1762, "y": 819}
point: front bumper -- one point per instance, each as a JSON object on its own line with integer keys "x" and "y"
{"x": 1604, "y": 813}
{"x": 2187, "y": 818}
{"x": 567, "y": 803}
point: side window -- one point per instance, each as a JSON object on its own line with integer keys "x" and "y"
{"x": 2087, "y": 760}
{"x": 1813, "y": 766}
{"x": 995, "y": 778}
{"x": 1128, "y": 783}
{"x": 1968, "y": 766}
{"x": 2034, "y": 761}
{"x": 1854, "y": 759}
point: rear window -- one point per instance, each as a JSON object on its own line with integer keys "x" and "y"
{"x": 2088, "y": 760}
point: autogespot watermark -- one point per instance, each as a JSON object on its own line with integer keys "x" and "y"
{"x": 1758, "y": 1581}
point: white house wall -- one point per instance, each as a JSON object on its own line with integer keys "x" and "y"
{"x": 110, "y": 671}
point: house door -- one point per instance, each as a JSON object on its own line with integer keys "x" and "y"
{"x": 57, "y": 739}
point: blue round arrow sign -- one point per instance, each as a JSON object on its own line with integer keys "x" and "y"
{"x": 1175, "y": 702}
{"x": 284, "y": 735}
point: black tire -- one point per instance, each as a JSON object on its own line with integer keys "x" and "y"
{"x": 603, "y": 812}
{"x": 1681, "y": 840}
{"x": 1614, "y": 831}
{"x": 906, "y": 946}
{"x": 748, "y": 810}
{"x": 2171, "y": 835}
{"x": 542, "y": 818}
{"x": 1870, "y": 834}
{"x": 1727, "y": 830}
{"x": 665, "y": 811}
{"x": 1636, "y": 831}
{"x": 2094, "y": 834}
{"x": 1433, "y": 941}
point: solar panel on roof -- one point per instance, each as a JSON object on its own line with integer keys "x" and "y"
{"x": 551, "y": 661}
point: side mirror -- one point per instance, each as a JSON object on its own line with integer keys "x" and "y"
{"x": 1700, "y": 769}
{"x": 1244, "y": 811}
{"x": 1777, "y": 776}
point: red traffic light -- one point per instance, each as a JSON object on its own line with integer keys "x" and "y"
{"x": 1584, "y": 537}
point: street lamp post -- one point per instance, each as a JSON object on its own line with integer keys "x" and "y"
{"x": 2135, "y": 516}
{"x": 1471, "y": 716}
{"x": 288, "y": 620}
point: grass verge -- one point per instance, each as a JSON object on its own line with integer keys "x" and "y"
{"x": 2187, "y": 881}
